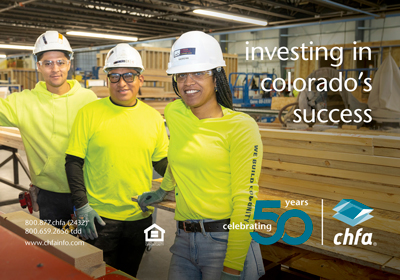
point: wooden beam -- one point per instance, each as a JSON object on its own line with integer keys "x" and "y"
{"x": 336, "y": 138}
{"x": 84, "y": 256}
{"x": 319, "y": 264}
{"x": 338, "y": 173}
{"x": 318, "y": 146}
{"x": 387, "y": 152}
{"x": 11, "y": 139}
{"x": 388, "y": 201}
{"x": 328, "y": 155}
{"x": 390, "y": 189}
{"x": 334, "y": 164}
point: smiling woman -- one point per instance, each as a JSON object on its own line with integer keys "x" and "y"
{"x": 213, "y": 160}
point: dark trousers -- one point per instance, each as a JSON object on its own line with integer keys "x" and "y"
{"x": 123, "y": 243}
{"x": 55, "y": 208}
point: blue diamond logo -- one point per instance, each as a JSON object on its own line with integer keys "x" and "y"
{"x": 352, "y": 212}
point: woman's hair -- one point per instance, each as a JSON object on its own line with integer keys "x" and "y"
{"x": 223, "y": 93}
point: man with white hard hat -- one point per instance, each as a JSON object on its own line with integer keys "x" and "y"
{"x": 44, "y": 116}
{"x": 114, "y": 145}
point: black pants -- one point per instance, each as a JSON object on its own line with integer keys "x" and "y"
{"x": 55, "y": 208}
{"x": 123, "y": 243}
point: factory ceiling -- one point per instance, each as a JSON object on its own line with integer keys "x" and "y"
{"x": 22, "y": 22}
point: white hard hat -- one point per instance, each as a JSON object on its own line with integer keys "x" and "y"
{"x": 195, "y": 51}
{"x": 52, "y": 41}
{"x": 123, "y": 56}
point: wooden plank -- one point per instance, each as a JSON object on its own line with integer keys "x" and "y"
{"x": 157, "y": 96}
{"x": 389, "y": 189}
{"x": 387, "y": 142}
{"x": 387, "y": 152}
{"x": 13, "y": 130}
{"x": 278, "y": 103}
{"x": 20, "y": 261}
{"x": 334, "y": 164}
{"x": 100, "y": 91}
{"x": 83, "y": 257}
{"x": 362, "y": 131}
{"x": 312, "y": 145}
{"x": 336, "y": 138}
{"x": 347, "y": 253}
{"x": 12, "y": 140}
{"x": 388, "y": 201}
{"x": 151, "y": 90}
{"x": 377, "y": 178}
{"x": 393, "y": 265}
{"x": 318, "y": 264}
{"x": 328, "y": 155}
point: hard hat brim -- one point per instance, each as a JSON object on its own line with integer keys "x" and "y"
{"x": 194, "y": 68}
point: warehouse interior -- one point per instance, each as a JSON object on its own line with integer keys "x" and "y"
{"x": 321, "y": 162}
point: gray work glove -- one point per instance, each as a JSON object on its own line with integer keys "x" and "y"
{"x": 228, "y": 276}
{"x": 33, "y": 191}
{"x": 85, "y": 220}
{"x": 148, "y": 198}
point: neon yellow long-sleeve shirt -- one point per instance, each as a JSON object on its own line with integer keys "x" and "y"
{"x": 45, "y": 120}
{"x": 216, "y": 164}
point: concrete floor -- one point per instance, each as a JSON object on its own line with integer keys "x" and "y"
{"x": 155, "y": 263}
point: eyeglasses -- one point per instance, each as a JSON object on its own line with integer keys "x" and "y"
{"x": 197, "y": 76}
{"x": 50, "y": 63}
{"x": 128, "y": 77}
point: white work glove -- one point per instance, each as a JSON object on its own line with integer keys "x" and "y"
{"x": 33, "y": 191}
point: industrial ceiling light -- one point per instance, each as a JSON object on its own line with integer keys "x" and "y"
{"x": 16, "y": 47}
{"x": 103, "y": 36}
{"x": 230, "y": 17}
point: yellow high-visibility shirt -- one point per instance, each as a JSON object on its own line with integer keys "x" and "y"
{"x": 118, "y": 144}
{"x": 45, "y": 120}
{"x": 216, "y": 163}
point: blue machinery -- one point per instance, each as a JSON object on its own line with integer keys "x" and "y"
{"x": 250, "y": 82}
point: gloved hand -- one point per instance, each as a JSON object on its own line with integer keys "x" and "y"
{"x": 148, "y": 198}
{"x": 228, "y": 276}
{"x": 33, "y": 191}
{"x": 85, "y": 220}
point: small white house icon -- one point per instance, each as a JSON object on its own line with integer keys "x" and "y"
{"x": 155, "y": 235}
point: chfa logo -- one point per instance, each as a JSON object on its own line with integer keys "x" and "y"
{"x": 353, "y": 213}
{"x": 156, "y": 235}
{"x": 280, "y": 226}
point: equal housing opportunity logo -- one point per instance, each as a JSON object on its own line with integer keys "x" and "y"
{"x": 352, "y": 213}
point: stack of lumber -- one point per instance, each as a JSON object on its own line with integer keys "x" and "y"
{"x": 316, "y": 166}
{"x": 158, "y": 105}
{"x": 24, "y": 77}
{"x": 323, "y": 168}
{"x": 84, "y": 256}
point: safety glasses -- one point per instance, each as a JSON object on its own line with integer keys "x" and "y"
{"x": 62, "y": 63}
{"x": 197, "y": 76}
{"x": 128, "y": 77}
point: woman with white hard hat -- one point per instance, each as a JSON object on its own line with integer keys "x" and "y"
{"x": 215, "y": 159}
